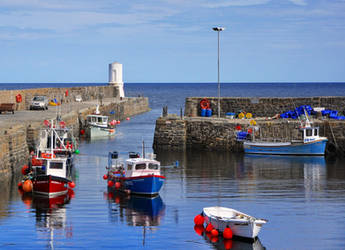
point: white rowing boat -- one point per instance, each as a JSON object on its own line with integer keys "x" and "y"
{"x": 241, "y": 225}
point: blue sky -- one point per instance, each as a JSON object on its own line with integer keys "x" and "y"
{"x": 172, "y": 40}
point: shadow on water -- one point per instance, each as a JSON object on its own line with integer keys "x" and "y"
{"x": 221, "y": 243}
{"x": 9, "y": 193}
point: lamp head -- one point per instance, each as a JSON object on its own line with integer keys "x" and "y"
{"x": 218, "y": 28}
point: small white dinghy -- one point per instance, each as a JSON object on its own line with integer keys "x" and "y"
{"x": 241, "y": 225}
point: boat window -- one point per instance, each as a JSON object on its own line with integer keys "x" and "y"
{"x": 104, "y": 119}
{"x": 94, "y": 119}
{"x": 89, "y": 119}
{"x": 99, "y": 119}
{"x": 315, "y": 132}
{"x": 140, "y": 166}
{"x": 56, "y": 165}
{"x": 309, "y": 132}
{"x": 153, "y": 166}
{"x": 129, "y": 167}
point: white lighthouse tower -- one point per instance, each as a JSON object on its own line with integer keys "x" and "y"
{"x": 115, "y": 77}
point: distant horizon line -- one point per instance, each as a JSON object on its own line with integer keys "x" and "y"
{"x": 168, "y": 82}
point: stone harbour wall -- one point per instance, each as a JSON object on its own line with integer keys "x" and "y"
{"x": 13, "y": 149}
{"x": 262, "y": 106}
{"x": 209, "y": 134}
{"x": 170, "y": 133}
{"x": 17, "y": 141}
{"x": 86, "y": 92}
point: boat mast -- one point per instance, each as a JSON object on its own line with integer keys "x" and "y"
{"x": 143, "y": 149}
{"x": 51, "y": 137}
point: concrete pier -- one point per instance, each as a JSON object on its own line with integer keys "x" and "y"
{"x": 19, "y": 131}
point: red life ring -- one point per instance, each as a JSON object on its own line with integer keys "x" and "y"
{"x": 18, "y": 98}
{"x": 205, "y": 103}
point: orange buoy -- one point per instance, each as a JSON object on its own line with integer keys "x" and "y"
{"x": 214, "y": 232}
{"x": 117, "y": 199}
{"x": 71, "y": 184}
{"x": 27, "y": 200}
{"x": 110, "y": 183}
{"x": 27, "y": 186}
{"x": 227, "y": 244}
{"x": 25, "y": 169}
{"x": 199, "y": 229}
{"x": 82, "y": 132}
{"x": 117, "y": 185}
{"x": 70, "y": 193}
{"x": 214, "y": 239}
{"x": 110, "y": 196}
{"x": 199, "y": 220}
{"x": 227, "y": 233}
{"x": 209, "y": 228}
{"x": 105, "y": 177}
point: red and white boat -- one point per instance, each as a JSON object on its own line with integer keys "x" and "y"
{"x": 50, "y": 172}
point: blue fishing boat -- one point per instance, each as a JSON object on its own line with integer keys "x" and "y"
{"x": 310, "y": 144}
{"x": 136, "y": 175}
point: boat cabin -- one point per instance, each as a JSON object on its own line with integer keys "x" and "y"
{"x": 55, "y": 167}
{"x": 140, "y": 166}
{"x": 97, "y": 120}
{"x": 310, "y": 134}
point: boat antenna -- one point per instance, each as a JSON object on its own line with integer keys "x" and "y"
{"x": 143, "y": 149}
{"x": 307, "y": 122}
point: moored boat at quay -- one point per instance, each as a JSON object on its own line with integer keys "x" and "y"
{"x": 137, "y": 175}
{"x": 97, "y": 126}
{"x": 311, "y": 143}
{"x": 50, "y": 170}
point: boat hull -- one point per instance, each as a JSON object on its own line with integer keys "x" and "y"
{"x": 148, "y": 185}
{"x": 271, "y": 148}
{"x": 50, "y": 186}
{"x": 144, "y": 185}
{"x": 99, "y": 132}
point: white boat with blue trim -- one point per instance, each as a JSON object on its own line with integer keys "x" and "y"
{"x": 138, "y": 175}
{"x": 311, "y": 143}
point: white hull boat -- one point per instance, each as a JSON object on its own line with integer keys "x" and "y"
{"x": 241, "y": 225}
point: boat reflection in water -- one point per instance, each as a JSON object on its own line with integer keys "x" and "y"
{"x": 137, "y": 211}
{"x": 221, "y": 243}
{"x": 50, "y": 215}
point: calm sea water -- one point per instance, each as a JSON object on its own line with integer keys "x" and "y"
{"x": 302, "y": 197}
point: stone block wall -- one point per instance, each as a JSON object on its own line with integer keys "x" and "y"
{"x": 87, "y": 93}
{"x": 17, "y": 141}
{"x": 220, "y": 134}
{"x": 263, "y": 106}
{"x": 170, "y": 133}
{"x": 127, "y": 107}
{"x": 13, "y": 149}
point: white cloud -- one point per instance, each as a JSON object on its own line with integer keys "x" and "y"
{"x": 228, "y": 3}
{"x": 299, "y": 2}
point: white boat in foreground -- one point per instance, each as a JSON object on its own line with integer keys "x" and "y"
{"x": 241, "y": 225}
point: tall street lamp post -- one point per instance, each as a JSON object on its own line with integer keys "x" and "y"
{"x": 218, "y": 29}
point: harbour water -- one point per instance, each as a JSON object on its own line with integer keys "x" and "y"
{"x": 303, "y": 198}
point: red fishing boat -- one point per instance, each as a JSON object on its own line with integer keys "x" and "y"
{"x": 50, "y": 171}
